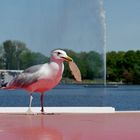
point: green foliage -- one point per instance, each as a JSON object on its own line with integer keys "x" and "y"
{"x": 9, "y": 54}
{"x": 89, "y": 63}
{"x": 121, "y": 66}
{"x": 15, "y": 55}
{"x": 124, "y": 66}
{"x": 28, "y": 58}
{"x": 115, "y": 65}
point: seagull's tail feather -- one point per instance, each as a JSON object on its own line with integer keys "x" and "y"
{"x": 6, "y": 86}
{"x": 3, "y": 86}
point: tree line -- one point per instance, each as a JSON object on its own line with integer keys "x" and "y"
{"x": 15, "y": 55}
{"x": 124, "y": 66}
{"x": 121, "y": 66}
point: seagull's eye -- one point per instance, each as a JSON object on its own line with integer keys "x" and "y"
{"x": 58, "y": 53}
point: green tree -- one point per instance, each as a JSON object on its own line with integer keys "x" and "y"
{"x": 19, "y": 48}
{"x": 28, "y": 58}
{"x": 129, "y": 60}
{"x": 2, "y": 61}
{"x": 115, "y": 65}
{"x": 124, "y": 66}
{"x": 136, "y": 73}
{"x": 111, "y": 66}
{"x": 9, "y": 54}
{"x": 12, "y": 52}
{"x": 17, "y": 56}
{"x": 38, "y": 58}
{"x": 95, "y": 65}
{"x": 89, "y": 63}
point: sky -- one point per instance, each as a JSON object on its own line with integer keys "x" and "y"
{"x": 77, "y": 24}
{"x": 123, "y": 24}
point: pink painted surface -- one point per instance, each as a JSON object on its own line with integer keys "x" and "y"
{"x": 116, "y": 126}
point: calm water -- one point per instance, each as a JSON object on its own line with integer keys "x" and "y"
{"x": 121, "y": 97}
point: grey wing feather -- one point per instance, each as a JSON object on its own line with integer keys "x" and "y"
{"x": 32, "y": 69}
{"x": 27, "y": 77}
{"x": 23, "y": 80}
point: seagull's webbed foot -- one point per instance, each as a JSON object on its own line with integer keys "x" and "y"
{"x": 42, "y": 111}
{"x": 30, "y": 112}
{"x": 42, "y": 105}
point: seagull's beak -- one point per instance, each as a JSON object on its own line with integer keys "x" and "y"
{"x": 67, "y": 58}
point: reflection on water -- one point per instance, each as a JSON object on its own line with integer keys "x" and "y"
{"x": 70, "y": 126}
{"x": 49, "y": 127}
{"x": 31, "y": 128}
{"x": 37, "y": 133}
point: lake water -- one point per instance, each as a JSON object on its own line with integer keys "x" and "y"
{"x": 120, "y": 97}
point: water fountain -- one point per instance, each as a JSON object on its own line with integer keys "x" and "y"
{"x": 45, "y": 25}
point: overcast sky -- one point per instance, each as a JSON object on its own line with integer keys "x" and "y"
{"x": 74, "y": 24}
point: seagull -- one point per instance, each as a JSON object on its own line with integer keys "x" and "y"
{"x": 41, "y": 78}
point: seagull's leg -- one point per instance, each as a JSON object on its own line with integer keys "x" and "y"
{"x": 29, "y": 111}
{"x": 42, "y": 102}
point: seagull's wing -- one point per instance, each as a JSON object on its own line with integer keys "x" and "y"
{"x": 33, "y": 69}
{"x": 27, "y": 77}
{"x": 23, "y": 80}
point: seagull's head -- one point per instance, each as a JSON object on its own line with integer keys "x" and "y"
{"x": 60, "y": 56}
